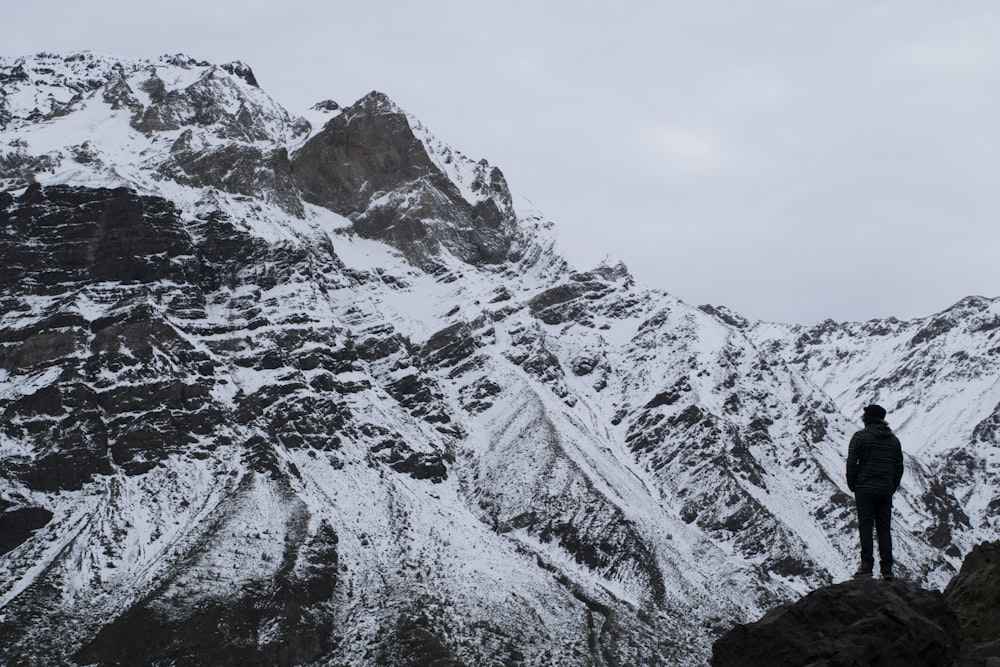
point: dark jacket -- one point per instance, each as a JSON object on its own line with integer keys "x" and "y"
{"x": 874, "y": 460}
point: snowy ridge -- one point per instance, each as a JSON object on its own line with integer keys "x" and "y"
{"x": 305, "y": 395}
{"x": 101, "y": 122}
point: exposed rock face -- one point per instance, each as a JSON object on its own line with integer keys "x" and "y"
{"x": 118, "y": 244}
{"x": 74, "y": 235}
{"x": 243, "y": 71}
{"x": 854, "y": 623}
{"x": 237, "y": 169}
{"x": 367, "y": 164}
{"x": 974, "y": 594}
{"x": 366, "y": 150}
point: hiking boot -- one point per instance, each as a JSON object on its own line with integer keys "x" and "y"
{"x": 863, "y": 573}
{"x": 887, "y": 575}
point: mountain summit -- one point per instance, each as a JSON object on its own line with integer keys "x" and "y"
{"x": 319, "y": 390}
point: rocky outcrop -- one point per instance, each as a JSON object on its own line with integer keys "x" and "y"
{"x": 243, "y": 71}
{"x": 871, "y": 622}
{"x": 241, "y": 169}
{"x": 61, "y": 235}
{"x": 864, "y": 622}
{"x": 974, "y": 595}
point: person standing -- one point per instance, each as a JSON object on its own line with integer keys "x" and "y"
{"x": 874, "y": 469}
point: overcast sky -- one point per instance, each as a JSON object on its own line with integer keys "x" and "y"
{"x": 794, "y": 160}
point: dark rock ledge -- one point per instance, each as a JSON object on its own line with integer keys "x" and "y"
{"x": 878, "y": 623}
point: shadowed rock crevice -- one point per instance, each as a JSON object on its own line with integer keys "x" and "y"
{"x": 17, "y": 525}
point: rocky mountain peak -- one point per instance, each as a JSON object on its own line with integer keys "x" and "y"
{"x": 242, "y": 70}
{"x": 375, "y": 102}
{"x": 376, "y": 165}
{"x": 200, "y": 125}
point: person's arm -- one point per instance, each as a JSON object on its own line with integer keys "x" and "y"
{"x": 899, "y": 465}
{"x": 853, "y": 455}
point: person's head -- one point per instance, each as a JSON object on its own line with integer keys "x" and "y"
{"x": 873, "y": 414}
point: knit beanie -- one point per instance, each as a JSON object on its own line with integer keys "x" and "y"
{"x": 873, "y": 414}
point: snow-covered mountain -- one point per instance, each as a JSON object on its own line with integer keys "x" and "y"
{"x": 320, "y": 390}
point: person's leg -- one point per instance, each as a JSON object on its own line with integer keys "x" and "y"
{"x": 866, "y": 519}
{"x": 883, "y": 526}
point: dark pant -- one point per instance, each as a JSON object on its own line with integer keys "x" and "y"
{"x": 875, "y": 508}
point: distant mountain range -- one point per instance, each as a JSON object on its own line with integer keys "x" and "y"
{"x": 318, "y": 389}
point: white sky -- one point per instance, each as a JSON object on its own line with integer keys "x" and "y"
{"x": 791, "y": 159}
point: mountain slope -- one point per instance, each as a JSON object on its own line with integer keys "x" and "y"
{"x": 938, "y": 378}
{"x": 322, "y": 392}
